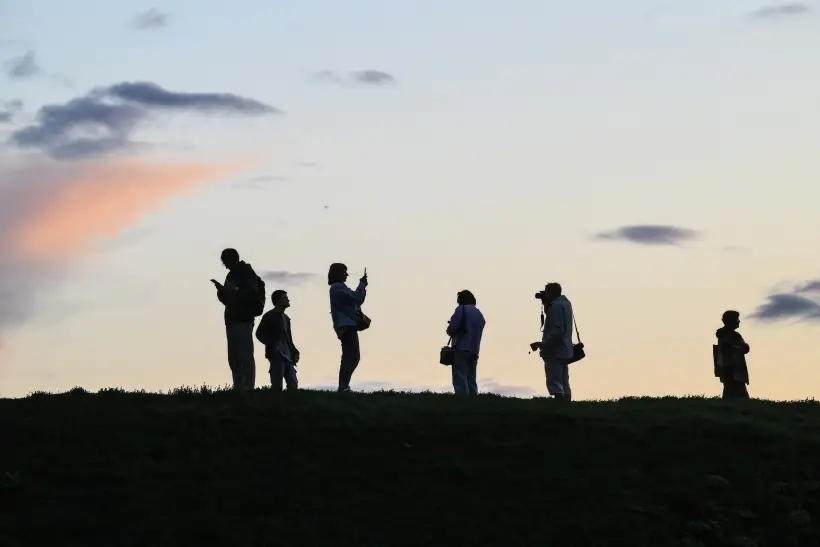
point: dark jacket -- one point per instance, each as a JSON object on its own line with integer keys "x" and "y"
{"x": 274, "y": 327}
{"x": 732, "y": 350}
{"x": 239, "y": 304}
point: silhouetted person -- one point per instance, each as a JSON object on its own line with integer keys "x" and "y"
{"x": 275, "y": 332}
{"x": 465, "y": 328}
{"x": 243, "y": 295}
{"x": 345, "y": 307}
{"x": 730, "y": 358}
{"x": 556, "y": 344}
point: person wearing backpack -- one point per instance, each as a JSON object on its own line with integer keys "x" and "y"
{"x": 243, "y": 295}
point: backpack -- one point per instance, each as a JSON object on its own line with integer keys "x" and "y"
{"x": 257, "y": 306}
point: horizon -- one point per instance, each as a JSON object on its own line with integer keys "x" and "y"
{"x": 654, "y": 158}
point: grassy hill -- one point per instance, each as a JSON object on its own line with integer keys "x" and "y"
{"x": 385, "y": 469}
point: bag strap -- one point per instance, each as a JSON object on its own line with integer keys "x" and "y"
{"x": 450, "y": 340}
{"x": 574, "y": 323}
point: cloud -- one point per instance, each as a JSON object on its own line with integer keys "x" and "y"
{"x": 782, "y": 11}
{"x": 809, "y": 287}
{"x": 649, "y": 234}
{"x": 150, "y": 19}
{"x": 6, "y": 116}
{"x": 787, "y": 306}
{"x": 22, "y": 67}
{"x": 287, "y": 278}
{"x": 375, "y": 78}
{"x": 52, "y": 213}
{"x": 103, "y": 121}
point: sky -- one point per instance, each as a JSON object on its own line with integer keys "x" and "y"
{"x": 655, "y": 158}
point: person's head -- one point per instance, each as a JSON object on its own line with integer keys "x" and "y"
{"x": 465, "y": 298}
{"x": 230, "y": 258}
{"x": 280, "y": 299}
{"x": 731, "y": 319}
{"x": 337, "y": 273}
{"x": 551, "y": 292}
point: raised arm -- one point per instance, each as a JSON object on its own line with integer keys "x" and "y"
{"x": 456, "y": 321}
{"x": 345, "y": 293}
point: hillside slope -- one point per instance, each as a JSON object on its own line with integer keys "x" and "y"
{"x": 120, "y": 469}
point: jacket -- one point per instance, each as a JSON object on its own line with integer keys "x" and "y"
{"x": 466, "y": 327}
{"x": 732, "y": 350}
{"x": 236, "y": 303}
{"x": 275, "y": 328}
{"x": 557, "y": 340}
{"x": 345, "y": 304}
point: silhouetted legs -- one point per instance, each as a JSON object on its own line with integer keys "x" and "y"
{"x": 735, "y": 389}
{"x": 240, "y": 355}
{"x": 282, "y": 369}
{"x": 350, "y": 357}
{"x": 557, "y": 371}
{"x": 464, "y": 373}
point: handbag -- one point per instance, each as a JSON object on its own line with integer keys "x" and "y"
{"x": 578, "y": 352}
{"x": 447, "y": 355}
{"x": 362, "y": 321}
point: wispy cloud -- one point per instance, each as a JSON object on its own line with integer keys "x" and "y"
{"x": 150, "y": 19}
{"x": 781, "y": 11}
{"x": 649, "y": 234}
{"x": 285, "y": 278}
{"x": 51, "y": 213}
{"x": 6, "y": 116}
{"x": 371, "y": 78}
{"x": 809, "y": 286}
{"x": 103, "y": 121}
{"x": 23, "y": 67}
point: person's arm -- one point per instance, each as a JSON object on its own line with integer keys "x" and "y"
{"x": 454, "y": 325}
{"x": 263, "y": 330}
{"x": 342, "y": 292}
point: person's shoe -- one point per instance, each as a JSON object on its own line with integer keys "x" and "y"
{"x": 344, "y": 389}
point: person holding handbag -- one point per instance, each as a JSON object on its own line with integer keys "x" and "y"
{"x": 465, "y": 329}
{"x": 348, "y": 319}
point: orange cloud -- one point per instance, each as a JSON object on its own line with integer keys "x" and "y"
{"x": 99, "y": 200}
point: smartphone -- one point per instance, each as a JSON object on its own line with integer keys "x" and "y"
{"x": 365, "y": 270}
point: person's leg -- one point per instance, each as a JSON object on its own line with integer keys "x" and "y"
{"x": 350, "y": 357}
{"x": 460, "y": 366}
{"x": 472, "y": 369}
{"x": 554, "y": 369}
{"x": 290, "y": 376}
{"x": 567, "y": 390}
{"x": 248, "y": 361}
{"x": 276, "y": 373}
{"x": 234, "y": 356}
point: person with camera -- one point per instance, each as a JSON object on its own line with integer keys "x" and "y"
{"x": 555, "y": 346}
{"x": 465, "y": 329}
{"x": 348, "y": 319}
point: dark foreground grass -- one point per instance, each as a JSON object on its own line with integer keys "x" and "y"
{"x": 118, "y": 469}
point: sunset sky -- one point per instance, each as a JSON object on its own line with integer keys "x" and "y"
{"x": 658, "y": 159}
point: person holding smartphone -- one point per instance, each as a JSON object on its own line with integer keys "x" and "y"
{"x": 345, "y": 311}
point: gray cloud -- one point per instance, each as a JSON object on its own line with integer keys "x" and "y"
{"x": 153, "y": 96}
{"x": 103, "y": 121}
{"x": 809, "y": 287}
{"x": 150, "y": 19}
{"x": 287, "y": 278}
{"x": 22, "y": 67}
{"x": 782, "y": 11}
{"x": 649, "y": 234}
{"x": 6, "y": 116}
{"x": 374, "y": 78}
{"x": 787, "y": 306}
